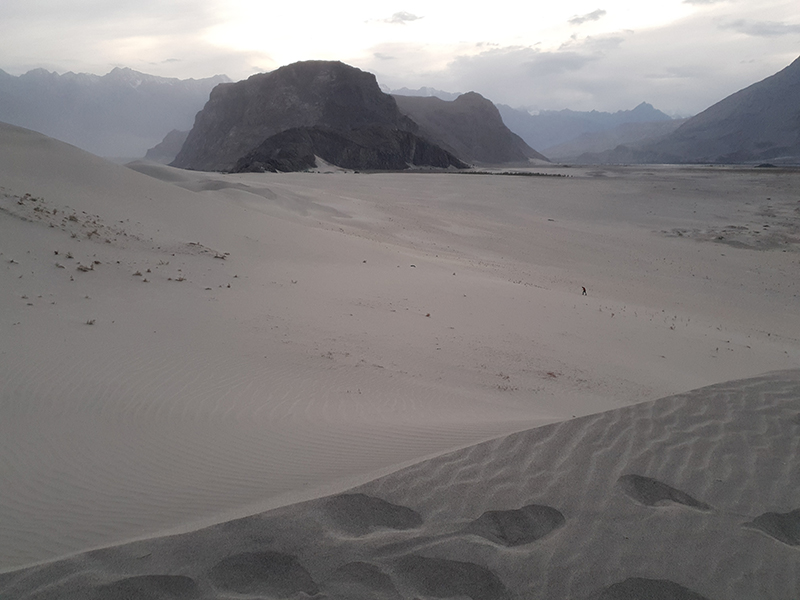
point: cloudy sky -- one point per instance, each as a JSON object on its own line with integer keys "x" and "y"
{"x": 679, "y": 55}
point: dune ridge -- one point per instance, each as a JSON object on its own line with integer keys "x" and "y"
{"x": 418, "y": 536}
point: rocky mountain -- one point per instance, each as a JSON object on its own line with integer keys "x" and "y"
{"x": 323, "y": 103}
{"x": 369, "y": 148}
{"x": 551, "y": 128}
{"x": 760, "y": 123}
{"x": 120, "y": 114}
{"x": 469, "y": 127}
{"x": 167, "y": 149}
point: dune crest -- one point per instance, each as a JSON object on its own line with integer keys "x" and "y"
{"x": 599, "y": 544}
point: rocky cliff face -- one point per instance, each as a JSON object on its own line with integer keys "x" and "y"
{"x": 469, "y": 127}
{"x": 239, "y": 117}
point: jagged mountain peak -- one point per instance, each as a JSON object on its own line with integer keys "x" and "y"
{"x": 425, "y": 91}
{"x": 120, "y": 114}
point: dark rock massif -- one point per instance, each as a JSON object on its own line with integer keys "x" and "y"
{"x": 321, "y": 108}
{"x": 373, "y": 148}
{"x": 283, "y": 120}
{"x": 470, "y": 127}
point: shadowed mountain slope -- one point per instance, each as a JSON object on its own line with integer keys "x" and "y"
{"x": 374, "y": 148}
{"x": 756, "y": 124}
{"x": 760, "y": 122}
{"x": 167, "y": 149}
{"x": 470, "y": 127}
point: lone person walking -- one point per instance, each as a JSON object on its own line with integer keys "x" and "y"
{"x": 584, "y": 291}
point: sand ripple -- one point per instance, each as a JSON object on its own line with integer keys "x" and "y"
{"x": 443, "y": 578}
{"x": 517, "y": 527}
{"x": 784, "y": 527}
{"x": 361, "y": 581}
{"x": 149, "y": 587}
{"x": 598, "y": 519}
{"x": 271, "y": 573}
{"x": 652, "y": 492}
{"x": 637, "y": 588}
{"x": 359, "y": 514}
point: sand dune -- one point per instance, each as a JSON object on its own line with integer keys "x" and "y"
{"x": 179, "y": 349}
{"x": 602, "y": 506}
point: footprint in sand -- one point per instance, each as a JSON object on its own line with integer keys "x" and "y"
{"x": 638, "y": 588}
{"x": 359, "y": 514}
{"x": 444, "y": 578}
{"x": 517, "y": 527}
{"x": 149, "y": 587}
{"x": 360, "y": 581}
{"x": 268, "y": 573}
{"x": 784, "y": 527}
{"x": 652, "y": 492}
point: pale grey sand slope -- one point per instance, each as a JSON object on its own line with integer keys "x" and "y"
{"x": 179, "y": 349}
{"x": 688, "y": 497}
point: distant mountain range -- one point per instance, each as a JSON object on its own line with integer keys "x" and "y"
{"x": 424, "y": 92}
{"x": 120, "y": 114}
{"x": 550, "y": 128}
{"x": 125, "y": 113}
{"x": 760, "y": 123}
{"x": 601, "y": 141}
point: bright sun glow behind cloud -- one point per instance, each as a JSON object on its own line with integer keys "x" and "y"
{"x": 680, "y": 55}
{"x": 325, "y": 30}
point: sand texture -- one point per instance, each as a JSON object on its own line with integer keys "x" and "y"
{"x": 603, "y": 506}
{"x": 180, "y": 350}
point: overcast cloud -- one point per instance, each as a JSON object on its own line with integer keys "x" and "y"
{"x": 592, "y": 16}
{"x": 401, "y": 18}
{"x": 679, "y": 55}
{"x": 763, "y": 28}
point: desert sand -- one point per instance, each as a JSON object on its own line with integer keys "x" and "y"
{"x": 390, "y": 385}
